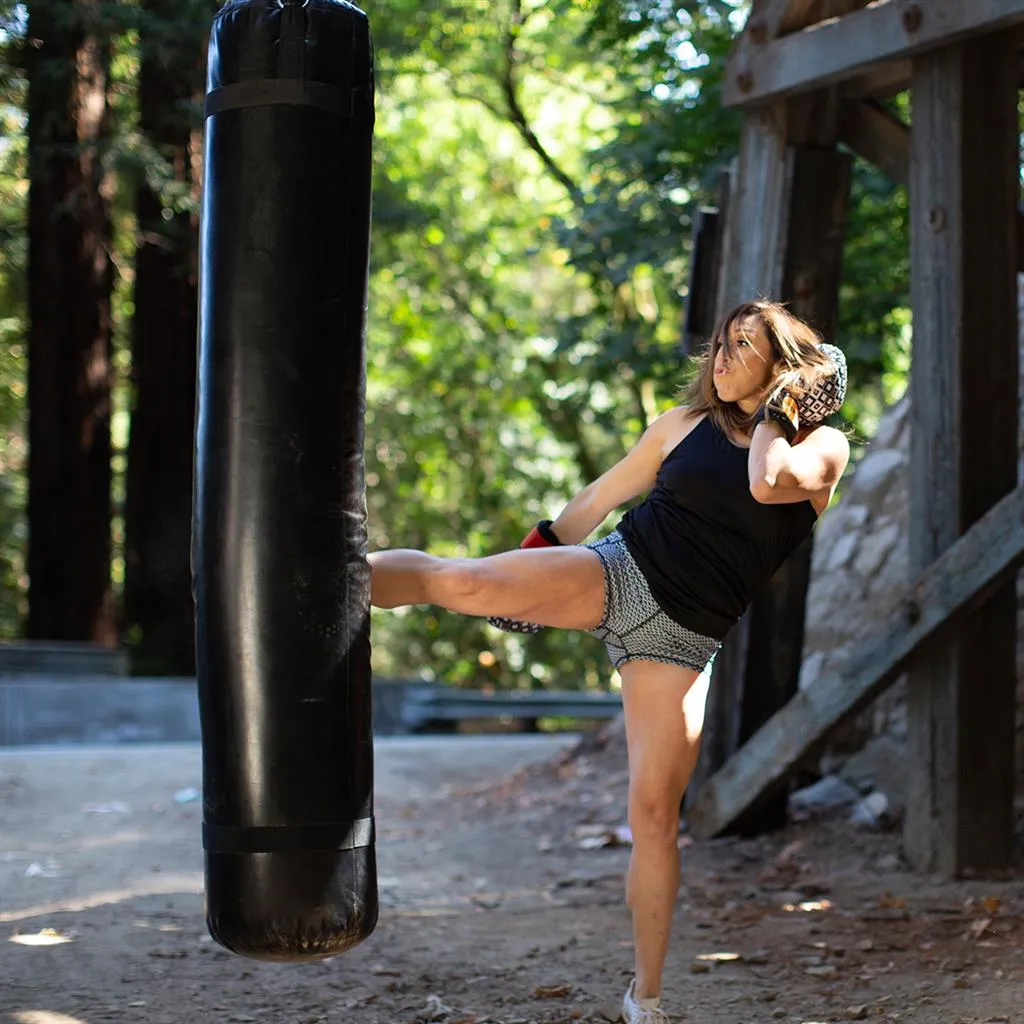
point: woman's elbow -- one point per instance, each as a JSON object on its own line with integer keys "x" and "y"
{"x": 762, "y": 491}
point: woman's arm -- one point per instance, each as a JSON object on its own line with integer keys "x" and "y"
{"x": 781, "y": 473}
{"x": 631, "y": 475}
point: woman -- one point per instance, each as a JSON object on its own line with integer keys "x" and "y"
{"x": 736, "y": 482}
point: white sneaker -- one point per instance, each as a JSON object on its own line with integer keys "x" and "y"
{"x": 642, "y": 1011}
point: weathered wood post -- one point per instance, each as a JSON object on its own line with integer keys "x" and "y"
{"x": 785, "y": 235}
{"x": 755, "y": 223}
{"x": 964, "y": 181}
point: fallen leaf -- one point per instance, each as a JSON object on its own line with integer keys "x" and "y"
{"x": 552, "y": 991}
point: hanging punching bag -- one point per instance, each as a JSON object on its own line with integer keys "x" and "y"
{"x": 279, "y": 570}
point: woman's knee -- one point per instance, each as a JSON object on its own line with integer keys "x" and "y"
{"x": 654, "y": 812}
{"x": 460, "y": 582}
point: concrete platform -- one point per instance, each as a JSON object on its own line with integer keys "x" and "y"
{"x": 91, "y": 709}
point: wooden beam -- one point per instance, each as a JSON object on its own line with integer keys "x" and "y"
{"x": 964, "y": 188}
{"x": 812, "y": 121}
{"x": 877, "y": 135}
{"x": 961, "y": 579}
{"x": 774, "y": 651}
{"x": 758, "y": 210}
{"x": 766, "y": 17}
{"x": 723, "y": 717}
{"x": 843, "y": 47}
{"x": 705, "y": 269}
{"x": 803, "y": 13}
{"x": 880, "y": 82}
{"x": 720, "y": 737}
{"x": 702, "y": 292}
{"x": 772, "y": 18}
{"x": 813, "y": 262}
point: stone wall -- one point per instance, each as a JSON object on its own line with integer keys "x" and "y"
{"x": 860, "y": 570}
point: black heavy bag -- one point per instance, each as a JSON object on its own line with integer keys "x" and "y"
{"x": 280, "y": 577}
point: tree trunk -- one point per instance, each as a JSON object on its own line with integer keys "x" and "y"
{"x": 69, "y": 285}
{"x": 158, "y": 611}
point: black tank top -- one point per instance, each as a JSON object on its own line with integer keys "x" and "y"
{"x": 702, "y": 541}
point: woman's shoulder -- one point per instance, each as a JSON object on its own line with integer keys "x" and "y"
{"x": 680, "y": 415}
{"x": 676, "y": 424}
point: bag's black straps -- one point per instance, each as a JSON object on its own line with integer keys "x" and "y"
{"x": 266, "y": 91}
{"x": 338, "y": 835}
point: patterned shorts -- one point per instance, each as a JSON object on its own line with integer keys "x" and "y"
{"x": 634, "y": 626}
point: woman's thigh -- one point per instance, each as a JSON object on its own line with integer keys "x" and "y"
{"x": 664, "y": 712}
{"x": 561, "y": 587}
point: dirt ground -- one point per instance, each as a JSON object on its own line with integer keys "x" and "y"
{"x": 501, "y": 902}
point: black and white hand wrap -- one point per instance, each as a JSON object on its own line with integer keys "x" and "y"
{"x": 819, "y": 401}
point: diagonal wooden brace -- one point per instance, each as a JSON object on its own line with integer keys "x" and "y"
{"x": 957, "y": 582}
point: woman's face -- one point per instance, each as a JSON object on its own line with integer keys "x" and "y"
{"x": 742, "y": 373}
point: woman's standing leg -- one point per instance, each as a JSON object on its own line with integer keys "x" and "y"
{"x": 664, "y": 710}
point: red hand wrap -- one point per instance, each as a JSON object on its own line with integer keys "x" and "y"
{"x": 541, "y": 536}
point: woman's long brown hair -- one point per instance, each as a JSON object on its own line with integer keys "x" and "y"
{"x": 799, "y": 362}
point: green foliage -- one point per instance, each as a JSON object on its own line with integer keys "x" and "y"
{"x": 874, "y": 300}
{"x": 460, "y": 451}
{"x": 537, "y": 168}
{"x": 532, "y": 209}
{"x": 13, "y": 300}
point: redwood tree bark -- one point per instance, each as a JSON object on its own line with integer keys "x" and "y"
{"x": 158, "y": 611}
{"x": 69, "y": 278}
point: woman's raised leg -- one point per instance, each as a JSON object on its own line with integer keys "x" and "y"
{"x": 664, "y": 709}
{"x": 558, "y": 586}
